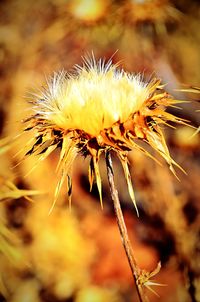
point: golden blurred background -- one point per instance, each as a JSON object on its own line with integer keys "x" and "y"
{"x": 77, "y": 255}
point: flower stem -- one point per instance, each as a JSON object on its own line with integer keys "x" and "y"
{"x": 123, "y": 230}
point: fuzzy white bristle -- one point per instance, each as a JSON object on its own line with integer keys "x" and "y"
{"x": 93, "y": 98}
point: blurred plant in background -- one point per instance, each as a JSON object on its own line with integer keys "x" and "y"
{"x": 74, "y": 255}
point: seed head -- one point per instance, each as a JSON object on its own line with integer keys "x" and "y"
{"x": 95, "y": 109}
{"x": 157, "y": 12}
{"x": 87, "y": 11}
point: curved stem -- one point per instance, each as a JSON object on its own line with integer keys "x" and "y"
{"x": 123, "y": 230}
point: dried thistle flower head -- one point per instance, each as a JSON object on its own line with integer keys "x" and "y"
{"x": 95, "y": 109}
{"x": 88, "y": 11}
{"x": 156, "y": 12}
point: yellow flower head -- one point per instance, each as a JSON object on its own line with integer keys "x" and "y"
{"x": 87, "y": 11}
{"x": 95, "y": 109}
{"x": 156, "y": 12}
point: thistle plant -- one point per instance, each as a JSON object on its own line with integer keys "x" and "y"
{"x": 99, "y": 109}
{"x": 157, "y": 13}
{"x": 87, "y": 12}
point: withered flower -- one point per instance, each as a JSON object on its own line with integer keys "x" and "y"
{"x": 95, "y": 109}
{"x": 156, "y": 12}
{"x": 87, "y": 12}
{"x": 99, "y": 108}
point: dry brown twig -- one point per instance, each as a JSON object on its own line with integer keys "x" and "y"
{"x": 141, "y": 277}
{"x": 123, "y": 230}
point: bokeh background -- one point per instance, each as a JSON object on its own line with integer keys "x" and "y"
{"x": 77, "y": 255}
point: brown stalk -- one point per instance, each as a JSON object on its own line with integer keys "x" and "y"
{"x": 123, "y": 231}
